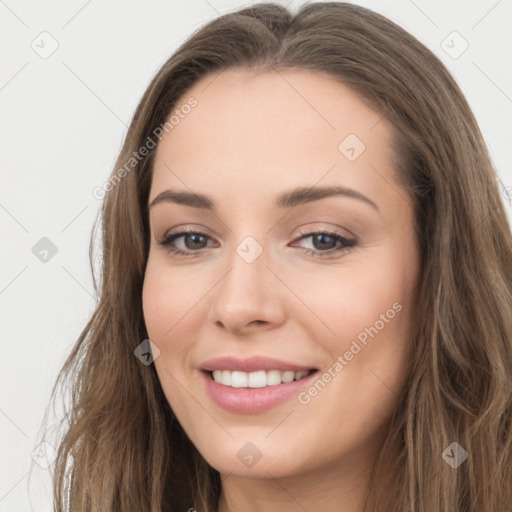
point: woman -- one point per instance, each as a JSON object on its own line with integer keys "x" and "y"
{"x": 306, "y": 288}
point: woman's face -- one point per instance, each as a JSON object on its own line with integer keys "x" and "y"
{"x": 297, "y": 284}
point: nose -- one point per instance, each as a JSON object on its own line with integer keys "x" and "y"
{"x": 248, "y": 297}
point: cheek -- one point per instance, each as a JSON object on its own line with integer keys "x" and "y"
{"x": 349, "y": 305}
{"x": 166, "y": 299}
{"x": 370, "y": 311}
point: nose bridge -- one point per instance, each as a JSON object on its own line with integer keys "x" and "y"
{"x": 246, "y": 293}
{"x": 245, "y": 281}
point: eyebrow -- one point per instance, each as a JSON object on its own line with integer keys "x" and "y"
{"x": 289, "y": 199}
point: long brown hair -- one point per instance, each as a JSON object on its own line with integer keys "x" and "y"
{"x": 123, "y": 448}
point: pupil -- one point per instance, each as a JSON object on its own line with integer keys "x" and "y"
{"x": 321, "y": 239}
{"x": 196, "y": 239}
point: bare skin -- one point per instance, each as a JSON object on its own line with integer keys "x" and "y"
{"x": 250, "y": 138}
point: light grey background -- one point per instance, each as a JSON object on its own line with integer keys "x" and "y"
{"x": 64, "y": 117}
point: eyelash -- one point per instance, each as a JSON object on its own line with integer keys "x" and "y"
{"x": 346, "y": 242}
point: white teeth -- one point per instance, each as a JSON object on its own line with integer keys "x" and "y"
{"x": 288, "y": 376}
{"x": 239, "y": 379}
{"x": 273, "y": 377}
{"x": 259, "y": 379}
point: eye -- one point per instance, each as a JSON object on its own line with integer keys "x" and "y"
{"x": 326, "y": 242}
{"x": 193, "y": 242}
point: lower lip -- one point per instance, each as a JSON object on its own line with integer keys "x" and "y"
{"x": 252, "y": 400}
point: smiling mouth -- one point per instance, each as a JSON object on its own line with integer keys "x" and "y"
{"x": 258, "y": 379}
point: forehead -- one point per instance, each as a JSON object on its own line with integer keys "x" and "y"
{"x": 260, "y": 130}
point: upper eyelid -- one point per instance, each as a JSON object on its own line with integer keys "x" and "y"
{"x": 205, "y": 231}
{"x": 307, "y": 233}
{"x": 184, "y": 232}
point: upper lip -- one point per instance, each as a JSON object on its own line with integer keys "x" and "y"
{"x": 252, "y": 364}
